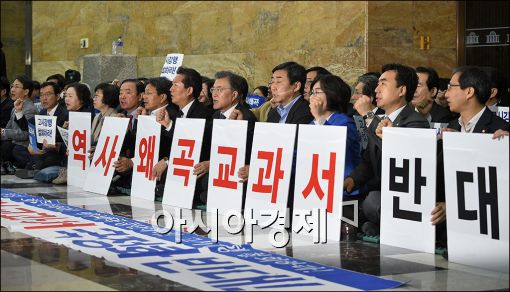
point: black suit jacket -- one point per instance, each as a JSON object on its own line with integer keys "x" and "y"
{"x": 247, "y": 116}
{"x": 488, "y": 123}
{"x": 196, "y": 111}
{"x": 440, "y": 114}
{"x": 5, "y": 111}
{"x": 61, "y": 113}
{"x": 298, "y": 114}
{"x": 370, "y": 166}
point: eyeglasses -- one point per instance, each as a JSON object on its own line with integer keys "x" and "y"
{"x": 47, "y": 95}
{"x": 315, "y": 92}
{"x": 218, "y": 89}
{"x": 451, "y": 85}
{"x": 17, "y": 86}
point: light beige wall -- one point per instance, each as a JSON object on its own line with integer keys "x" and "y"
{"x": 13, "y": 37}
{"x": 249, "y": 37}
{"x": 394, "y": 29}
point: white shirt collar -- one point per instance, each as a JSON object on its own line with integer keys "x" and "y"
{"x": 395, "y": 114}
{"x": 470, "y": 126}
{"x": 185, "y": 109}
{"x": 52, "y": 111}
{"x": 154, "y": 112}
{"x": 229, "y": 111}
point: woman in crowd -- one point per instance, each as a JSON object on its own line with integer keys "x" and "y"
{"x": 106, "y": 100}
{"x": 77, "y": 99}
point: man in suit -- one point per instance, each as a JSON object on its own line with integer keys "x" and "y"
{"x": 14, "y": 139}
{"x": 228, "y": 92}
{"x": 395, "y": 89}
{"x": 426, "y": 92}
{"x": 467, "y": 93}
{"x": 185, "y": 90}
{"x": 49, "y": 154}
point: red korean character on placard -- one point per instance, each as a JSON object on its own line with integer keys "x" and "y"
{"x": 146, "y": 150}
{"x": 184, "y": 160}
{"x": 327, "y": 174}
{"x": 272, "y": 188}
{"x": 226, "y": 170}
{"x": 79, "y": 144}
{"x": 102, "y": 157}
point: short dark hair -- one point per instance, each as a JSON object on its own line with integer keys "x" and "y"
{"x": 72, "y": 76}
{"x": 82, "y": 92}
{"x": 162, "y": 85}
{"x": 27, "y": 83}
{"x": 237, "y": 82}
{"x": 432, "y": 79}
{"x": 295, "y": 73}
{"x": 473, "y": 76}
{"x": 140, "y": 85}
{"x": 372, "y": 73}
{"x": 60, "y": 79}
{"x": 5, "y": 84}
{"x": 497, "y": 80}
{"x": 443, "y": 83}
{"x": 56, "y": 88}
{"x": 191, "y": 78}
{"x": 319, "y": 70}
{"x": 338, "y": 93}
{"x": 110, "y": 94}
{"x": 262, "y": 88}
{"x": 36, "y": 84}
{"x": 210, "y": 84}
{"x": 369, "y": 84}
{"x": 406, "y": 76}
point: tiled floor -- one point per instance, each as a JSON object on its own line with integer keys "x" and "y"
{"x": 35, "y": 264}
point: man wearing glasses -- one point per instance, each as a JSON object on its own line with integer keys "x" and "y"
{"x": 228, "y": 92}
{"x": 48, "y": 154}
{"x": 468, "y": 91}
{"x": 13, "y": 137}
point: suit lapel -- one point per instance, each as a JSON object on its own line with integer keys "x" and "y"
{"x": 485, "y": 119}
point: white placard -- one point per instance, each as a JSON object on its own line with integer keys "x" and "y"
{"x": 46, "y": 129}
{"x": 319, "y": 178}
{"x": 408, "y": 188}
{"x": 270, "y": 171}
{"x": 79, "y": 136}
{"x": 503, "y": 112}
{"x": 64, "y": 133}
{"x": 148, "y": 136}
{"x": 184, "y": 155}
{"x": 228, "y": 152}
{"x": 100, "y": 172}
{"x": 172, "y": 63}
{"x": 476, "y": 174}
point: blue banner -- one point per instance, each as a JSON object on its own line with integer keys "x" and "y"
{"x": 192, "y": 244}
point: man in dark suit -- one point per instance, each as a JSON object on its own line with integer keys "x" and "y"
{"x": 467, "y": 93}
{"x": 7, "y": 104}
{"x": 426, "y": 92}
{"x": 395, "y": 89}
{"x": 185, "y": 90}
{"x": 49, "y": 155}
{"x": 228, "y": 92}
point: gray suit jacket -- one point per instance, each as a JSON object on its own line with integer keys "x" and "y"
{"x": 12, "y": 130}
{"x": 370, "y": 166}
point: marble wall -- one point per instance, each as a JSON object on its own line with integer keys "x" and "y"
{"x": 13, "y": 37}
{"x": 249, "y": 37}
{"x": 395, "y": 27}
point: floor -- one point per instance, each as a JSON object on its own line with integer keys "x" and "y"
{"x": 30, "y": 263}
